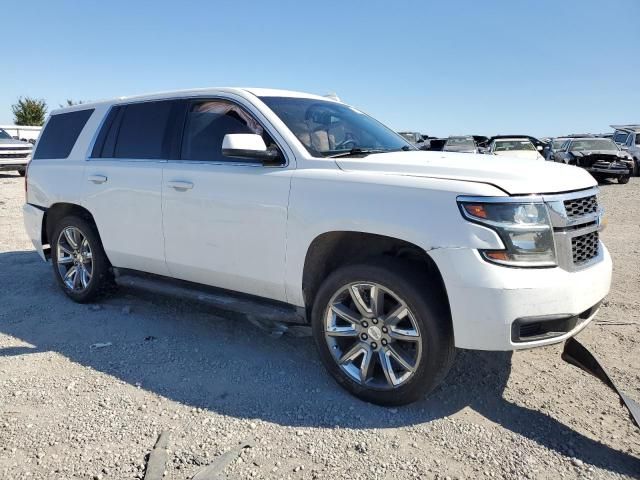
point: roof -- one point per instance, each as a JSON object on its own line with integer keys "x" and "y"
{"x": 628, "y": 128}
{"x": 587, "y": 138}
{"x": 260, "y": 92}
{"x": 511, "y": 139}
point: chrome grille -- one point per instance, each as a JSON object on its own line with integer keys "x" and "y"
{"x": 581, "y": 206}
{"x": 584, "y": 247}
{"x": 575, "y": 217}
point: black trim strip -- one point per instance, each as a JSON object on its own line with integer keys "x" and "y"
{"x": 39, "y": 207}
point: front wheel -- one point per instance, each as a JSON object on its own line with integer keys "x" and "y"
{"x": 623, "y": 179}
{"x": 22, "y": 172}
{"x": 80, "y": 265}
{"x": 382, "y": 332}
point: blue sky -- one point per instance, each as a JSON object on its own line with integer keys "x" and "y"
{"x": 543, "y": 67}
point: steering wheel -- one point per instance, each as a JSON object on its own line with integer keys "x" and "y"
{"x": 347, "y": 144}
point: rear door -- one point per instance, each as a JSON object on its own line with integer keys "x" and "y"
{"x": 123, "y": 181}
{"x": 224, "y": 218}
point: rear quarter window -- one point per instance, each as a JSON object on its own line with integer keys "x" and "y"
{"x": 60, "y": 134}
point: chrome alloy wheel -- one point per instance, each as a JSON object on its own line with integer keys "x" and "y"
{"x": 75, "y": 260}
{"x": 372, "y": 335}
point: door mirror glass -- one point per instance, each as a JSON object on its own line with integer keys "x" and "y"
{"x": 248, "y": 145}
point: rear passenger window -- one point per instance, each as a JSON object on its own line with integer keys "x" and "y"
{"x": 142, "y": 131}
{"x": 208, "y": 122}
{"x": 60, "y": 135}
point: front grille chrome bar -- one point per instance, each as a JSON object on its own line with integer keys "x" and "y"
{"x": 567, "y": 226}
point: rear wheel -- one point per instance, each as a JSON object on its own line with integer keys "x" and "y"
{"x": 80, "y": 265}
{"x": 383, "y": 332}
{"x": 22, "y": 172}
{"x": 623, "y": 179}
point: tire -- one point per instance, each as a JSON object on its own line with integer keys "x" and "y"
{"x": 624, "y": 179}
{"x": 22, "y": 172}
{"x": 98, "y": 278}
{"x": 430, "y": 353}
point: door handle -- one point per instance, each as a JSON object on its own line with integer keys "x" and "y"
{"x": 97, "y": 178}
{"x": 180, "y": 185}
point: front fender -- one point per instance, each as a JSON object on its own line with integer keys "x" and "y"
{"x": 421, "y": 211}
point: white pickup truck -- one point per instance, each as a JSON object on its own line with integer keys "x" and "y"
{"x": 14, "y": 154}
{"x": 307, "y": 207}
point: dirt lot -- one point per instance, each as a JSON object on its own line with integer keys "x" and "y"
{"x": 71, "y": 411}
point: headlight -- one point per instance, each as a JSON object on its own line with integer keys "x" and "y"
{"x": 524, "y": 227}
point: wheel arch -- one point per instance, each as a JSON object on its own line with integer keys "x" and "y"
{"x": 58, "y": 211}
{"x": 332, "y": 250}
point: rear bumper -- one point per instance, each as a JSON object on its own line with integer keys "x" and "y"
{"x": 33, "y": 225}
{"x": 489, "y": 302}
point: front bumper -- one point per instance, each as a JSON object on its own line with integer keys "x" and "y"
{"x": 610, "y": 168}
{"x": 13, "y": 164}
{"x": 487, "y": 299}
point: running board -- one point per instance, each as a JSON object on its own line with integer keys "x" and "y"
{"x": 274, "y": 317}
{"x": 577, "y": 355}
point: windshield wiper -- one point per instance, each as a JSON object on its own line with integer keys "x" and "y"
{"x": 356, "y": 151}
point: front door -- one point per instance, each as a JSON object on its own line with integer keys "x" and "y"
{"x": 225, "y": 218}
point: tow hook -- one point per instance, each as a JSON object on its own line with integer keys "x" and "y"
{"x": 577, "y": 355}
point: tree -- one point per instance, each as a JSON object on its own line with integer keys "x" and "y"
{"x": 71, "y": 103}
{"x": 29, "y": 111}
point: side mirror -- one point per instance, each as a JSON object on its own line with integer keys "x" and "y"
{"x": 624, "y": 147}
{"x": 248, "y": 145}
{"x": 420, "y": 140}
{"x": 539, "y": 148}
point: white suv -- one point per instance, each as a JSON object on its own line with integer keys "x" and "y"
{"x": 311, "y": 209}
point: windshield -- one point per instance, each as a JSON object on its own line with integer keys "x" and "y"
{"x": 620, "y": 137}
{"x": 460, "y": 143}
{"x": 328, "y": 128}
{"x": 412, "y": 137}
{"x": 513, "y": 145}
{"x": 593, "y": 144}
{"x": 4, "y": 135}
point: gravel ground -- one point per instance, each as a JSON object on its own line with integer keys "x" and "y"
{"x": 71, "y": 411}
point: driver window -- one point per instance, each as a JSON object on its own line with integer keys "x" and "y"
{"x": 323, "y": 130}
{"x": 208, "y": 122}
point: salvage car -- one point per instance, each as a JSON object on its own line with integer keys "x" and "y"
{"x": 599, "y": 156}
{"x": 302, "y": 209}
{"x": 627, "y": 137}
{"x": 415, "y": 138}
{"x": 552, "y": 147}
{"x": 14, "y": 154}
{"x": 462, "y": 144}
{"x": 514, "y": 147}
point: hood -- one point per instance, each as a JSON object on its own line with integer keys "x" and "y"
{"x": 13, "y": 143}
{"x": 587, "y": 153}
{"x": 516, "y": 177}
{"x": 530, "y": 154}
{"x": 459, "y": 149}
